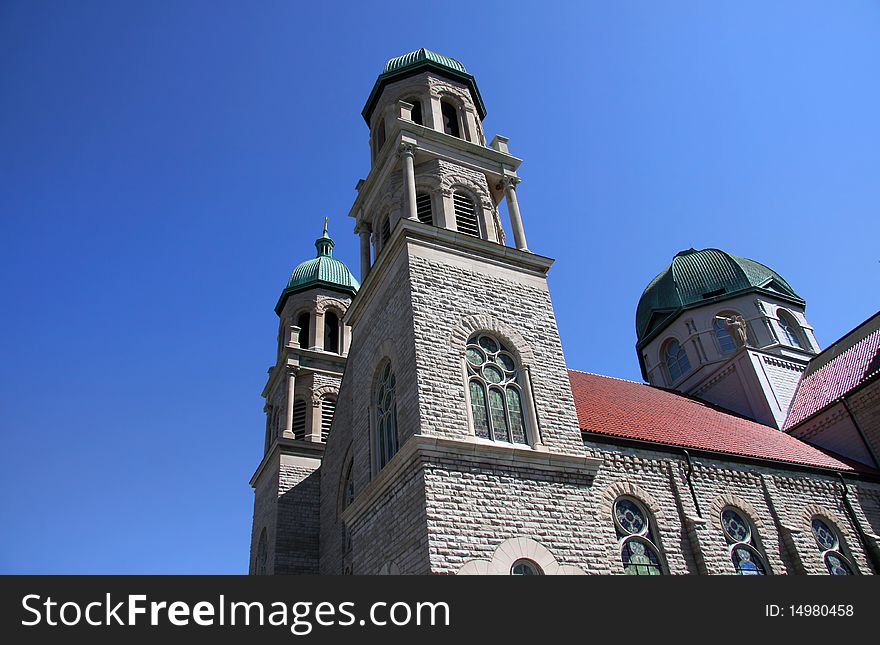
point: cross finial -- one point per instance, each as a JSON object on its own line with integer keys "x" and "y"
{"x": 326, "y": 219}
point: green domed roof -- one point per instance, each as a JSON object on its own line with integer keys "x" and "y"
{"x": 415, "y": 63}
{"x": 696, "y": 278}
{"x": 321, "y": 271}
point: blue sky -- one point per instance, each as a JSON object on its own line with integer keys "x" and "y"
{"x": 165, "y": 165}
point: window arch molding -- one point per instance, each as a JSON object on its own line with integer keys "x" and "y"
{"x": 655, "y": 516}
{"x": 516, "y": 343}
{"x": 816, "y": 556}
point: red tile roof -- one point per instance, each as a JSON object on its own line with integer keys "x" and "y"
{"x": 613, "y": 407}
{"x": 839, "y": 369}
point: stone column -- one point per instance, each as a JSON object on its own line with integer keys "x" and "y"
{"x": 407, "y": 152}
{"x": 313, "y": 425}
{"x": 364, "y": 232}
{"x": 316, "y": 340}
{"x": 288, "y": 422}
{"x": 519, "y": 236}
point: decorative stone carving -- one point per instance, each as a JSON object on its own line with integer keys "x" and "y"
{"x": 736, "y": 327}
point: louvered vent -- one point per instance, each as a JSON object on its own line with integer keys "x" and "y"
{"x": 299, "y": 420}
{"x": 465, "y": 215}
{"x": 328, "y": 407}
{"x": 423, "y": 208}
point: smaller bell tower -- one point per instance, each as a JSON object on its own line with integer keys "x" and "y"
{"x": 301, "y": 394}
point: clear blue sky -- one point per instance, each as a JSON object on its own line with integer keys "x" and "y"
{"x": 164, "y": 166}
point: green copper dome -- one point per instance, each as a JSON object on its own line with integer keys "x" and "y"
{"x": 695, "y": 278}
{"x": 417, "y": 62}
{"x": 321, "y": 271}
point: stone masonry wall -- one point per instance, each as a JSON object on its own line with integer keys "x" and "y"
{"x": 296, "y": 541}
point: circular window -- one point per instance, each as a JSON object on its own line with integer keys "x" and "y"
{"x": 525, "y": 568}
{"x": 828, "y": 541}
{"x": 630, "y": 517}
{"x": 736, "y": 528}
{"x": 825, "y": 536}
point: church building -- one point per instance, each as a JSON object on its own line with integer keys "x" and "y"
{"x": 422, "y": 419}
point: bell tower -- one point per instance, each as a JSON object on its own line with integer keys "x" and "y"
{"x": 456, "y": 379}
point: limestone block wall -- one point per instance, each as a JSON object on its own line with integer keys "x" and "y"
{"x": 296, "y": 541}
{"x": 265, "y": 516}
{"x": 453, "y": 298}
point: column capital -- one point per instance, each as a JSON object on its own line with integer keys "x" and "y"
{"x": 406, "y": 150}
{"x": 509, "y": 181}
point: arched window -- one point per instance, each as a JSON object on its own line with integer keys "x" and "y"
{"x": 386, "y": 416}
{"x": 303, "y": 323}
{"x": 742, "y": 540}
{"x": 465, "y": 214}
{"x": 423, "y": 208}
{"x": 347, "y": 499}
{"x": 525, "y": 568}
{"x": 328, "y": 407}
{"x": 725, "y": 342}
{"x": 450, "y": 119}
{"x": 790, "y": 329}
{"x": 331, "y": 332}
{"x": 261, "y": 560}
{"x": 638, "y": 547}
{"x": 416, "y": 114}
{"x": 495, "y": 392}
{"x": 828, "y": 541}
{"x": 676, "y": 360}
{"x": 299, "y": 420}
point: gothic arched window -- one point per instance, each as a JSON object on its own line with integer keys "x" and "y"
{"x": 450, "y": 119}
{"x": 331, "y": 332}
{"x": 676, "y": 360}
{"x": 303, "y": 323}
{"x": 385, "y": 399}
{"x": 465, "y": 214}
{"x": 299, "y": 419}
{"x": 828, "y": 541}
{"x": 328, "y": 407}
{"x": 790, "y": 329}
{"x": 423, "y": 208}
{"x": 496, "y": 396}
{"x": 743, "y": 542}
{"x": 638, "y": 547}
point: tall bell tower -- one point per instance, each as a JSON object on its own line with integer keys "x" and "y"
{"x": 455, "y": 404}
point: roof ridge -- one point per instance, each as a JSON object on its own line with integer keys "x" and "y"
{"x": 614, "y": 378}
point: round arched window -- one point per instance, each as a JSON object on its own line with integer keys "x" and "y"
{"x": 747, "y": 560}
{"x": 790, "y": 330}
{"x": 676, "y": 360}
{"x": 496, "y": 396}
{"x": 525, "y": 568}
{"x": 828, "y": 542}
{"x": 639, "y": 553}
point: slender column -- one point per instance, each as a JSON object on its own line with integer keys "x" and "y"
{"x": 364, "y": 232}
{"x": 519, "y": 235}
{"x": 407, "y": 153}
{"x": 288, "y": 423}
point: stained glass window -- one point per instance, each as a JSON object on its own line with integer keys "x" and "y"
{"x": 638, "y": 550}
{"x": 495, "y": 392}
{"x": 743, "y": 543}
{"x": 525, "y": 568}
{"x": 386, "y": 416}
{"x": 828, "y": 542}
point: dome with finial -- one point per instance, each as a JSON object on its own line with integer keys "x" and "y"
{"x": 416, "y": 62}
{"x": 695, "y": 278}
{"x": 322, "y": 271}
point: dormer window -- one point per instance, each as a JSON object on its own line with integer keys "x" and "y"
{"x": 450, "y": 119}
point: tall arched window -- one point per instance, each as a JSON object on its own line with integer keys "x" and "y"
{"x": 790, "y": 329}
{"x": 725, "y": 342}
{"x": 638, "y": 546}
{"x": 465, "y": 214}
{"x": 416, "y": 114}
{"x": 299, "y": 419}
{"x": 450, "y": 119}
{"x": 261, "y": 560}
{"x": 676, "y": 360}
{"x": 495, "y": 392}
{"x": 303, "y": 323}
{"x": 331, "y": 332}
{"x": 423, "y": 208}
{"x": 743, "y": 542}
{"x": 328, "y": 407}
{"x": 385, "y": 399}
{"x": 828, "y": 541}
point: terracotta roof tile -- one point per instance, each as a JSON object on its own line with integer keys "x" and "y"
{"x": 618, "y": 408}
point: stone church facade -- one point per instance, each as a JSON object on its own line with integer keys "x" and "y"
{"x": 423, "y": 420}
